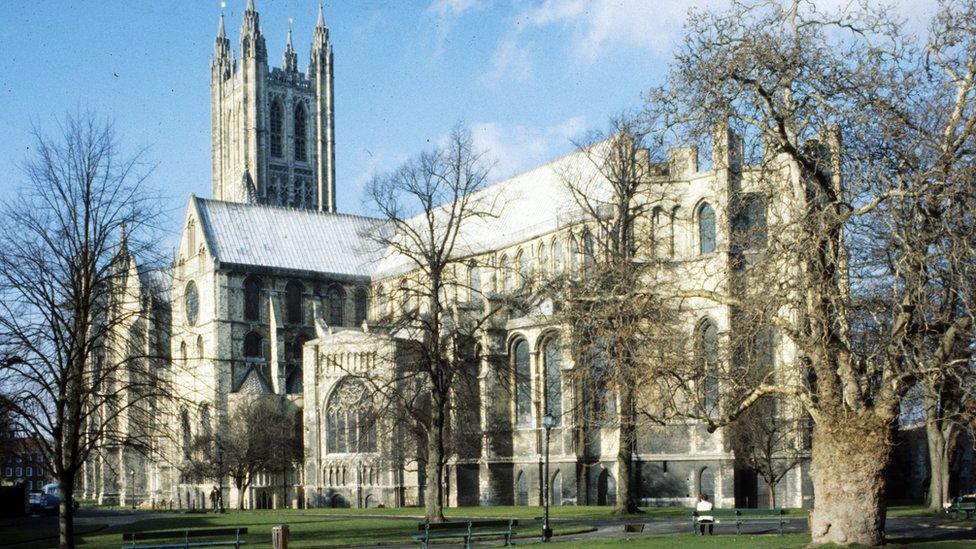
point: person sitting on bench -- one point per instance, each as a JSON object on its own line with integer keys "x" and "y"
{"x": 703, "y": 506}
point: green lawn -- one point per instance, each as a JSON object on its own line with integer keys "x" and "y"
{"x": 307, "y": 528}
{"x": 337, "y": 527}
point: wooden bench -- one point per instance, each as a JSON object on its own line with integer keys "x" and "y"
{"x": 742, "y": 516}
{"x": 173, "y": 539}
{"x": 466, "y": 530}
{"x": 962, "y": 504}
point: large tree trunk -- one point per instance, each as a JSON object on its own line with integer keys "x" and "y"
{"x": 771, "y": 490}
{"x": 939, "y": 455}
{"x": 626, "y": 495}
{"x": 66, "y": 514}
{"x": 850, "y": 455}
{"x": 433, "y": 491}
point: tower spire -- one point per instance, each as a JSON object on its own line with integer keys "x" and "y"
{"x": 321, "y": 22}
{"x": 290, "y": 63}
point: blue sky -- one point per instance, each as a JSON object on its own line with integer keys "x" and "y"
{"x": 526, "y": 76}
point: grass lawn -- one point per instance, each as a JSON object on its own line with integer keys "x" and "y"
{"x": 307, "y": 529}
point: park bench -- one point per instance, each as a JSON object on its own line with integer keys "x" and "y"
{"x": 467, "y": 531}
{"x": 742, "y": 516}
{"x": 962, "y": 504}
{"x": 173, "y": 539}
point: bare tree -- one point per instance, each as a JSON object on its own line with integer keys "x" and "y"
{"x": 81, "y": 372}
{"x": 428, "y": 206}
{"x": 771, "y": 445}
{"x": 613, "y": 312}
{"x": 259, "y": 435}
{"x": 866, "y": 144}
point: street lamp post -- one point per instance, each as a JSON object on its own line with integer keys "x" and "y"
{"x": 547, "y": 421}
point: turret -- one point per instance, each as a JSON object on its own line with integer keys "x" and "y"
{"x": 321, "y": 75}
{"x": 222, "y": 63}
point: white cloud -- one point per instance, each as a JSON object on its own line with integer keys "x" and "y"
{"x": 597, "y": 27}
{"x": 516, "y": 148}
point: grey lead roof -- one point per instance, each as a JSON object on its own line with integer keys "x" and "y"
{"x": 288, "y": 238}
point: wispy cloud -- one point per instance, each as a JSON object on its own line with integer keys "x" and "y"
{"x": 596, "y": 28}
{"x": 446, "y": 14}
{"x": 515, "y": 148}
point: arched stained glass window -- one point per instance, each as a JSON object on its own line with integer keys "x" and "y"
{"x": 588, "y": 254}
{"x": 523, "y": 266}
{"x": 474, "y": 280}
{"x": 523, "y": 384}
{"x": 706, "y": 228}
{"x": 199, "y": 346}
{"x": 553, "y": 382}
{"x": 337, "y": 303}
{"x": 543, "y": 259}
{"x": 362, "y": 305}
{"x": 252, "y": 345}
{"x": 301, "y": 129}
{"x": 185, "y": 431}
{"x": 573, "y": 255}
{"x": 707, "y": 359}
{"x": 557, "y": 256}
{"x": 350, "y": 419}
{"x": 293, "y": 302}
{"x": 252, "y": 298}
{"x": 277, "y": 128}
{"x": 507, "y": 275}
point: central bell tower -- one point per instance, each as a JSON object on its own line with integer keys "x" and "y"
{"x": 273, "y": 131}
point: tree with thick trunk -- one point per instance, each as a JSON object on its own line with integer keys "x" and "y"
{"x": 861, "y": 141}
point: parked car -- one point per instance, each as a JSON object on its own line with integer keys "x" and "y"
{"x": 52, "y": 493}
{"x": 40, "y": 504}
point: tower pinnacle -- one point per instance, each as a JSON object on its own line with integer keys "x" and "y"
{"x": 290, "y": 63}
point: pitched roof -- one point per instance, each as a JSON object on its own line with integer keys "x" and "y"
{"x": 287, "y": 238}
{"x": 522, "y": 207}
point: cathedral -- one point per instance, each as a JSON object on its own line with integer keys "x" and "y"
{"x": 276, "y": 292}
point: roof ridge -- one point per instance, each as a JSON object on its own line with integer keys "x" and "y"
{"x": 288, "y": 209}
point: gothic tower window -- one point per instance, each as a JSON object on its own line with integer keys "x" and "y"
{"x": 553, "y": 382}
{"x": 706, "y": 228}
{"x": 350, "y": 419}
{"x": 301, "y": 150}
{"x": 749, "y": 223}
{"x": 191, "y": 303}
{"x": 337, "y": 299}
{"x": 293, "y": 302}
{"x": 277, "y": 129}
{"x": 252, "y": 345}
{"x": 706, "y": 357}
{"x": 252, "y": 298}
{"x": 523, "y": 384}
{"x": 199, "y": 346}
{"x": 362, "y": 305}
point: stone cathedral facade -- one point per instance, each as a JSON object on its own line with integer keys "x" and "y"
{"x": 275, "y": 294}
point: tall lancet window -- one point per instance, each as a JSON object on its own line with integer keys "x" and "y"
{"x": 301, "y": 149}
{"x": 277, "y": 124}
